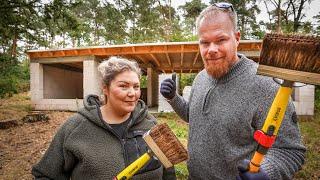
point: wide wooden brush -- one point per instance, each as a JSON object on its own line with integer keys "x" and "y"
{"x": 163, "y": 144}
{"x": 291, "y": 58}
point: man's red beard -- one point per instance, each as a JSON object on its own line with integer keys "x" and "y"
{"x": 218, "y": 70}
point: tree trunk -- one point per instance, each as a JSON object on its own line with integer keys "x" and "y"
{"x": 279, "y": 17}
{"x": 14, "y": 45}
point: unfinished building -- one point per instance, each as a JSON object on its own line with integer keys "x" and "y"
{"x": 60, "y": 78}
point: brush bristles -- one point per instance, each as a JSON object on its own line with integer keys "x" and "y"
{"x": 296, "y": 52}
{"x": 168, "y": 143}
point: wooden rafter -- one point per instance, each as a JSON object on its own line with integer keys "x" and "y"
{"x": 155, "y": 60}
{"x": 168, "y": 57}
{"x": 181, "y": 55}
{"x": 142, "y": 59}
{"x": 160, "y": 54}
{"x": 194, "y": 61}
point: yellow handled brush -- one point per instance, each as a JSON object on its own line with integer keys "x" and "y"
{"x": 163, "y": 144}
{"x": 292, "y": 58}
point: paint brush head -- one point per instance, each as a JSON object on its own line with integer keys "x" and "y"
{"x": 165, "y": 145}
{"x": 295, "y": 52}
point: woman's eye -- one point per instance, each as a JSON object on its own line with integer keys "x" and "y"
{"x": 136, "y": 87}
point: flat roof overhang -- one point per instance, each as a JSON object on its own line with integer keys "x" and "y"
{"x": 181, "y": 57}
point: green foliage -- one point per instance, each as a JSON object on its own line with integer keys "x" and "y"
{"x": 191, "y": 11}
{"x": 143, "y": 81}
{"x": 181, "y": 171}
{"x": 317, "y": 18}
{"x": 14, "y": 76}
{"x": 186, "y": 79}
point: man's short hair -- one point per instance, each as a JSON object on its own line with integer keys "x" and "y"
{"x": 212, "y": 10}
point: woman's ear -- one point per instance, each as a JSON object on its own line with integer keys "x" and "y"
{"x": 105, "y": 89}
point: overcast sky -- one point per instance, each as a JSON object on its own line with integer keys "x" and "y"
{"x": 311, "y": 10}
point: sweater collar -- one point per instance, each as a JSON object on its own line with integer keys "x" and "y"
{"x": 234, "y": 71}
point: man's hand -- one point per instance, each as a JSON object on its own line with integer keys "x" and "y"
{"x": 244, "y": 174}
{"x": 168, "y": 88}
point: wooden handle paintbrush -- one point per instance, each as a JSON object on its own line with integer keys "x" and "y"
{"x": 163, "y": 144}
{"x": 292, "y": 58}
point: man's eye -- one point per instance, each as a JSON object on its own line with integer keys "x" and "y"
{"x": 203, "y": 42}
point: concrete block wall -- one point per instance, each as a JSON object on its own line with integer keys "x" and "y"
{"x": 186, "y": 92}
{"x": 91, "y": 78}
{"x": 61, "y": 83}
{"x": 36, "y": 81}
{"x": 164, "y": 106}
{"x": 58, "y": 104}
{"x": 304, "y": 100}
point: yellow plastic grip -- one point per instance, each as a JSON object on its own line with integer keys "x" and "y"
{"x": 274, "y": 118}
{"x": 129, "y": 171}
{"x": 277, "y": 110}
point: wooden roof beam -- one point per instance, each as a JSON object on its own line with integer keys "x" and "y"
{"x": 168, "y": 58}
{"x": 155, "y": 60}
{"x": 142, "y": 59}
{"x": 194, "y": 61}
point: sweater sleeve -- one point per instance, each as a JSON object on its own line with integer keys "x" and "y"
{"x": 57, "y": 162}
{"x": 286, "y": 156}
{"x": 180, "y": 106}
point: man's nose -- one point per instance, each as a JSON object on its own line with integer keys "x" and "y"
{"x": 213, "y": 48}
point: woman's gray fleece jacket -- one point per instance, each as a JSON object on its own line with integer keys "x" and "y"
{"x": 85, "y": 147}
{"x": 223, "y": 115}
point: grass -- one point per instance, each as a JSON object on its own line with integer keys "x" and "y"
{"x": 15, "y": 107}
{"x": 310, "y": 133}
{"x": 180, "y": 129}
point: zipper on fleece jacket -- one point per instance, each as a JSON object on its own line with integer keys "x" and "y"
{"x": 122, "y": 141}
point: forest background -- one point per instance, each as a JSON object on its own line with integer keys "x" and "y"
{"x": 51, "y": 24}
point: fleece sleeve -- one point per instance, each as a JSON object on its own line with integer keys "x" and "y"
{"x": 286, "y": 156}
{"x": 57, "y": 162}
{"x": 169, "y": 174}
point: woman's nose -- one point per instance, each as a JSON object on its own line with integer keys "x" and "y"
{"x": 131, "y": 92}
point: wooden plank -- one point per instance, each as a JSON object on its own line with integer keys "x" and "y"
{"x": 156, "y": 150}
{"x": 288, "y": 74}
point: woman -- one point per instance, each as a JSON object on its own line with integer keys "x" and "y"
{"x": 101, "y": 140}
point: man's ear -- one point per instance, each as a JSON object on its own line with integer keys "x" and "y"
{"x": 237, "y": 37}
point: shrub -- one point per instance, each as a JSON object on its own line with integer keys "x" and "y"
{"x": 14, "y": 76}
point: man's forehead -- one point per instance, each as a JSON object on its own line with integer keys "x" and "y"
{"x": 215, "y": 17}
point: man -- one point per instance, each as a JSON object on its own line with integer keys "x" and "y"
{"x": 228, "y": 102}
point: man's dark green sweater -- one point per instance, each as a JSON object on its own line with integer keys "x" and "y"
{"x": 86, "y": 147}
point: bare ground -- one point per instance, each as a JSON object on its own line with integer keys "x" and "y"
{"x": 22, "y": 146}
